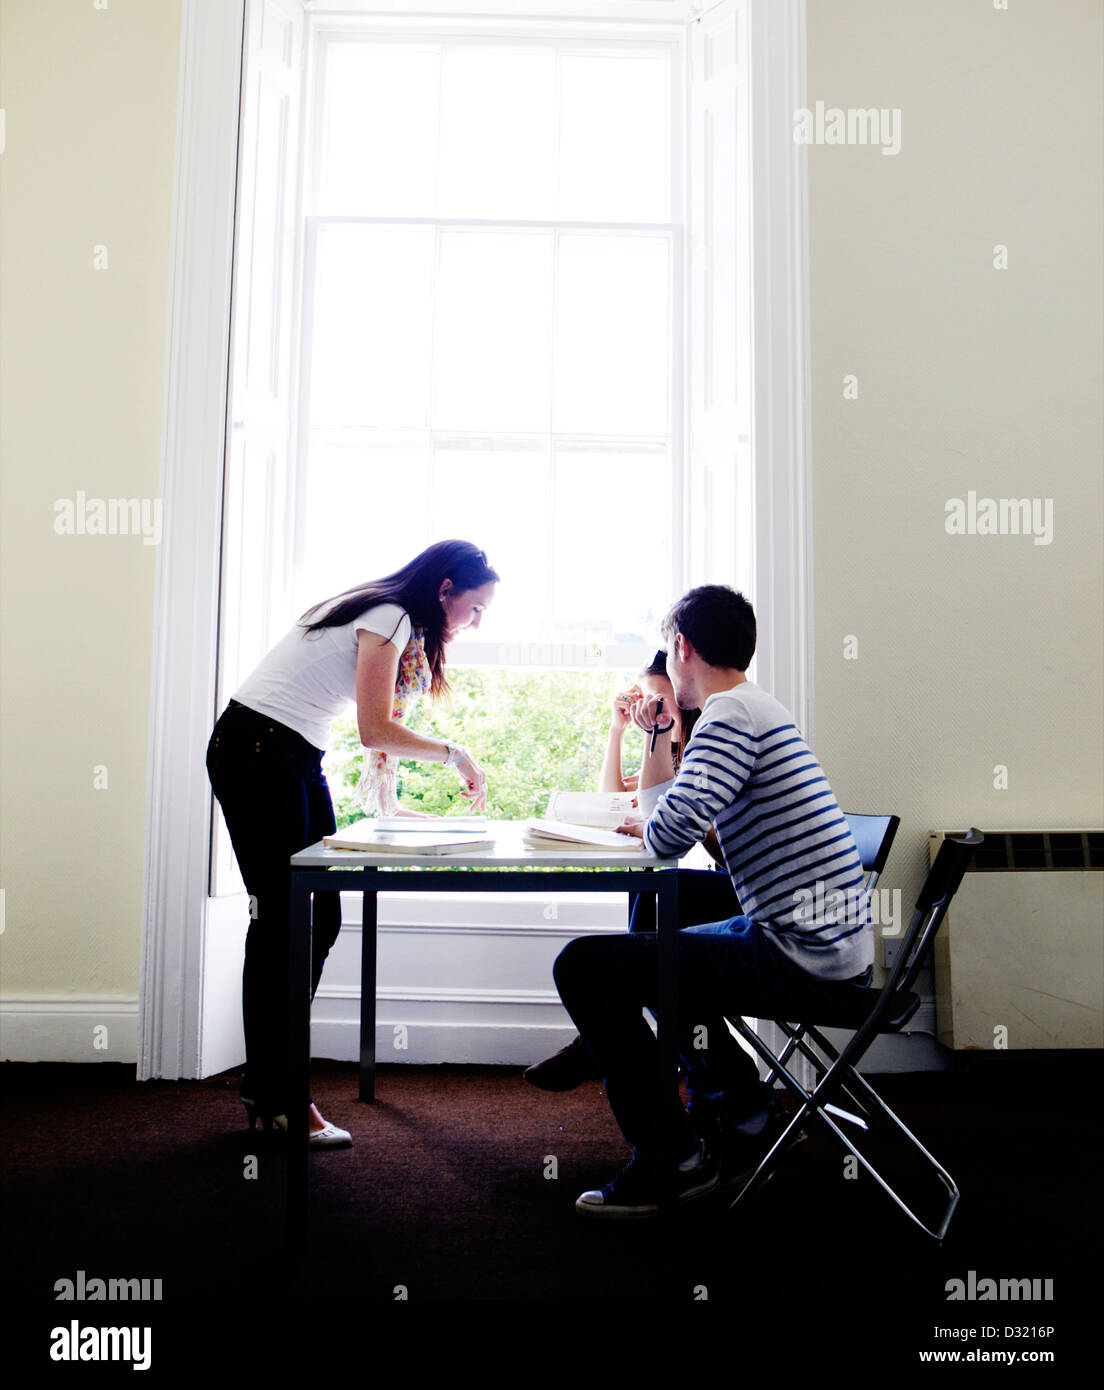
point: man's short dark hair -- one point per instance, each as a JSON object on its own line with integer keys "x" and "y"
{"x": 719, "y": 624}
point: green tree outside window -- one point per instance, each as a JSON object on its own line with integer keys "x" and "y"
{"x": 533, "y": 733}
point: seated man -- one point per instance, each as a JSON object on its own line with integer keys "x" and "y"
{"x": 704, "y": 895}
{"x": 747, "y": 771}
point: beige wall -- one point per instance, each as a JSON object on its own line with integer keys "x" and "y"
{"x": 90, "y": 99}
{"x": 974, "y": 651}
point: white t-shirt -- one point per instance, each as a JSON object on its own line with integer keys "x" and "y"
{"x": 308, "y": 678}
{"x": 647, "y": 797}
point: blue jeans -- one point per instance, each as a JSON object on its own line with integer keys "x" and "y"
{"x": 268, "y": 780}
{"x": 728, "y": 968}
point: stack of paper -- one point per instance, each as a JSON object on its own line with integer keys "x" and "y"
{"x": 430, "y": 825}
{"x": 364, "y": 836}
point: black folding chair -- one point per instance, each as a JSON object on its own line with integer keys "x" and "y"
{"x": 874, "y": 837}
{"x": 887, "y": 1011}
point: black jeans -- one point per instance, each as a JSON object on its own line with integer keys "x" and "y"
{"x": 704, "y": 895}
{"x": 728, "y": 968}
{"x": 268, "y": 780}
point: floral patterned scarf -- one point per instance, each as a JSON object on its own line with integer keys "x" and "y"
{"x": 377, "y": 781}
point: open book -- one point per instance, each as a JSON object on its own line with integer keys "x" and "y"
{"x": 558, "y": 834}
{"x": 603, "y": 810}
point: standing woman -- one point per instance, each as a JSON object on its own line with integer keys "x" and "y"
{"x": 380, "y": 644}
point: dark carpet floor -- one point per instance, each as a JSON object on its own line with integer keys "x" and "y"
{"x": 461, "y": 1185}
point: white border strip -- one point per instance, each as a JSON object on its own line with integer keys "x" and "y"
{"x": 68, "y": 1028}
{"x": 186, "y": 600}
{"x": 780, "y": 360}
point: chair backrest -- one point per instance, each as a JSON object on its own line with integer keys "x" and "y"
{"x": 874, "y": 837}
{"x": 939, "y": 888}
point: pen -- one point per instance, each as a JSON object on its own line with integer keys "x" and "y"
{"x": 655, "y": 727}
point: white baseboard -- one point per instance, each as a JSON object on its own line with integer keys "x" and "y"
{"x": 426, "y": 1027}
{"x": 508, "y": 1027}
{"x": 518, "y": 1030}
{"x": 431, "y": 1043}
{"x": 69, "y": 1028}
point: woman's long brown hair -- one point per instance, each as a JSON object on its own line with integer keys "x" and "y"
{"x": 416, "y": 588}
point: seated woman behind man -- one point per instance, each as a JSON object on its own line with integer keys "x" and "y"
{"x": 704, "y": 896}
{"x": 661, "y": 762}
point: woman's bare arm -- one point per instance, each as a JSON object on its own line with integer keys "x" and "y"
{"x": 610, "y": 778}
{"x": 377, "y": 665}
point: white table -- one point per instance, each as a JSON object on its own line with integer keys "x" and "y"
{"x": 506, "y": 865}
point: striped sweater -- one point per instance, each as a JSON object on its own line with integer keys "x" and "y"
{"x": 791, "y": 856}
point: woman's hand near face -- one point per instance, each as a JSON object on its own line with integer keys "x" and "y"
{"x": 622, "y": 708}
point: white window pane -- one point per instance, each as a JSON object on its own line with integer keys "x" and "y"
{"x": 372, "y": 327}
{"x": 499, "y": 499}
{"x": 615, "y": 143}
{"x": 497, "y": 134}
{"x": 365, "y": 516}
{"x": 612, "y": 336}
{"x": 493, "y": 342}
{"x": 611, "y": 572}
{"x": 379, "y": 141}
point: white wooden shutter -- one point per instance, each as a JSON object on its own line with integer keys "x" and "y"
{"x": 256, "y": 553}
{"x": 259, "y": 494}
{"x": 720, "y": 535}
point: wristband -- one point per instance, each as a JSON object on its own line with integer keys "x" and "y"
{"x": 453, "y": 754}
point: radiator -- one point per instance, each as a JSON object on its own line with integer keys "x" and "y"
{"x": 1019, "y": 961}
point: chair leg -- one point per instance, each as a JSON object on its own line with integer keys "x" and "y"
{"x": 945, "y": 1178}
{"x": 818, "y": 1062}
{"x": 838, "y": 1077}
{"x": 762, "y": 1173}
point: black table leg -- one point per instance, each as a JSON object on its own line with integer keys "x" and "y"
{"x": 367, "y": 1090}
{"x": 298, "y": 1038}
{"x": 667, "y": 1023}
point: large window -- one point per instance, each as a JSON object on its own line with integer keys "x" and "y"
{"x": 492, "y": 301}
{"x": 491, "y": 282}
{"x": 239, "y": 478}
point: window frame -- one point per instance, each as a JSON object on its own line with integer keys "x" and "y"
{"x": 505, "y": 29}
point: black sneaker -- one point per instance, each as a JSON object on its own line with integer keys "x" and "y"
{"x": 738, "y": 1138}
{"x": 714, "y": 1113}
{"x": 564, "y": 1070}
{"x": 634, "y": 1192}
{"x": 743, "y": 1147}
